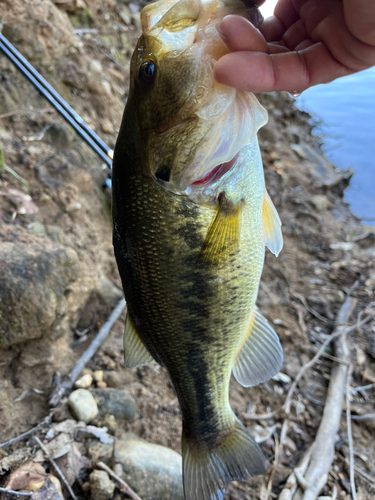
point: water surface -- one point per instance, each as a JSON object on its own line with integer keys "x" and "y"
{"x": 345, "y": 110}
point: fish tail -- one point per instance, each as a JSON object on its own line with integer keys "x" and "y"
{"x": 207, "y": 471}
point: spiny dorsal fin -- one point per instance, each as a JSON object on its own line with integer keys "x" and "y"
{"x": 206, "y": 472}
{"x": 260, "y": 357}
{"x": 135, "y": 352}
{"x": 224, "y": 232}
{"x": 273, "y": 238}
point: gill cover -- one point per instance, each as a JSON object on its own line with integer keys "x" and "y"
{"x": 214, "y": 121}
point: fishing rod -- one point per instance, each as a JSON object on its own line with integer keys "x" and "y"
{"x": 61, "y": 106}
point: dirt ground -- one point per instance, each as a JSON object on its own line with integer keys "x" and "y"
{"x": 326, "y": 249}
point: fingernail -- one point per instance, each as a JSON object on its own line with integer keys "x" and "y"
{"x": 220, "y": 31}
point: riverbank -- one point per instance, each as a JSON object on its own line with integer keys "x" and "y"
{"x": 59, "y": 280}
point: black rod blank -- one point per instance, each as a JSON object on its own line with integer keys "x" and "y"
{"x": 61, "y": 106}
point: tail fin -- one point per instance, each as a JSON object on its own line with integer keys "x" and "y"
{"x": 206, "y": 472}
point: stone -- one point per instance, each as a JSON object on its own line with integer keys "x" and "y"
{"x": 83, "y": 382}
{"x": 106, "y": 88}
{"x": 98, "y": 451}
{"x": 98, "y": 375}
{"x": 73, "y": 207}
{"x": 152, "y": 471}
{"x": 83, "y": 405}
{"x": 34, "y": 279}
{"x": 114, "y": 402}
{"x": 113, "y": 379}
{"x": 95, "y": 67}
{"x": 102, "y": 488}
{"x": 106, "y": 126}
{"x": 320, "y": 202}
{"x": 101, "y": 384}
{"x": 109, "y": 292}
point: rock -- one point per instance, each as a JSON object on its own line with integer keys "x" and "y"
{"x": 73, "y": 207}
{"x": 102, "y": 488}
{"x": 98, "y": 375}
{"x": 34, "y": 280}
{"x": 154, "y": 472}
{"x": 298, "y": 150}
{"x": 342, "y": 245}
{"x": 84, "y": 382}
{"x": 109, "y": 292}
{"x": 101, "y": 384}
{"x": 106, "y": 89}
{"x": 114, "y": 402}
{"x": 106, "y": 126}
{"x": 95, "y": 67}
{"x": 98, "y": 451}
{"x": 83, "y": 405}
{"x": 320, "y": 202}
{"x": 37, "y": 352}
{"x": 113, "y": 379}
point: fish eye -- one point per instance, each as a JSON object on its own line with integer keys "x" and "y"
{"x": 147, "y": 72}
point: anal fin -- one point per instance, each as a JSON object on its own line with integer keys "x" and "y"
{"x": 223, "y": 235}
{"x": 135, "y": 351}
{"x": 272, "y": 235}
{"x": 260, "y": 356}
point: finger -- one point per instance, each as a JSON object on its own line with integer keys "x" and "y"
{"x": 284, "y": 16}
{"x": 360, "y": 19}
{"x": 291, "y": 71}
{"x": 295, "y": 35}
{"x": 239, "y": 34}
{"x": 304, "y": 45}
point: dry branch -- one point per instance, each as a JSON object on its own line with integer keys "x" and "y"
{"x": 47, "y": 420}
{"x": 125, "y": 488}
{"x": 324, "y": 446}
{"x": 16, "y": 494}
{"x": 56, "y": 467}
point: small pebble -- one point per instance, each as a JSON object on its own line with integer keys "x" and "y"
{"x": 106, "y": 126}
{"x": 83, "y": 405}
{"x": 98, "y": 375}
{"x": 106, "y": 87}
{"x": 101, "y": 384}
{"x": 84, "y": 382}
{"x": 95, "y": 67}
{"x": 102, "y": 488}
{"x": 73, "y": 207}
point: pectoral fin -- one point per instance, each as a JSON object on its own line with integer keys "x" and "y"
{"x": 273, "y": 238}
{"x": 224, "y": 232}
{"x": 260, "y": 356}
{"x": 135, "y": 352}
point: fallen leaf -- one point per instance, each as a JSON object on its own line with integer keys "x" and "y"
{"x": 27, "y": 477}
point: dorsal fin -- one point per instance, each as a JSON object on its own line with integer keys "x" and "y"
{"x": 224, "y": 232}
{"x": 260, "y": 356}
{"x": 135, "y": 351}
{"x": 273, "y": 238}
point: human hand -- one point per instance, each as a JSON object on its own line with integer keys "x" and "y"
{"x": 304, "y": 43}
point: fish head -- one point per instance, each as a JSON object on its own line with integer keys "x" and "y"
{"x": 192, "y": 127}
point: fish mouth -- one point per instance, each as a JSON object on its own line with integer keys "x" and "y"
{"x": 216, "y": 173}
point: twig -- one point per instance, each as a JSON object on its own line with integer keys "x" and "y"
{"x": 16, "y": 494}
{"x": 56, "y": 467}
{"x": 274, "y": 467}
{"x": 359, "y": 471}
{"x": 22, "y": 111}
{"x": 63, "y": 389}
{"x": 349, "y": 430}
{"x": 47, "y": 420}
{"x": 125, "y": 488}
{"x": 324, "y": 449}
{"x": 362, "y": 388}
{"x": 291, "y": 484}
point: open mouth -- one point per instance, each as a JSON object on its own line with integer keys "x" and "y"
{"x": 216, "y": 173}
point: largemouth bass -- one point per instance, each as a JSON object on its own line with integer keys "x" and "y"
{"x": 191, "y": 219}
